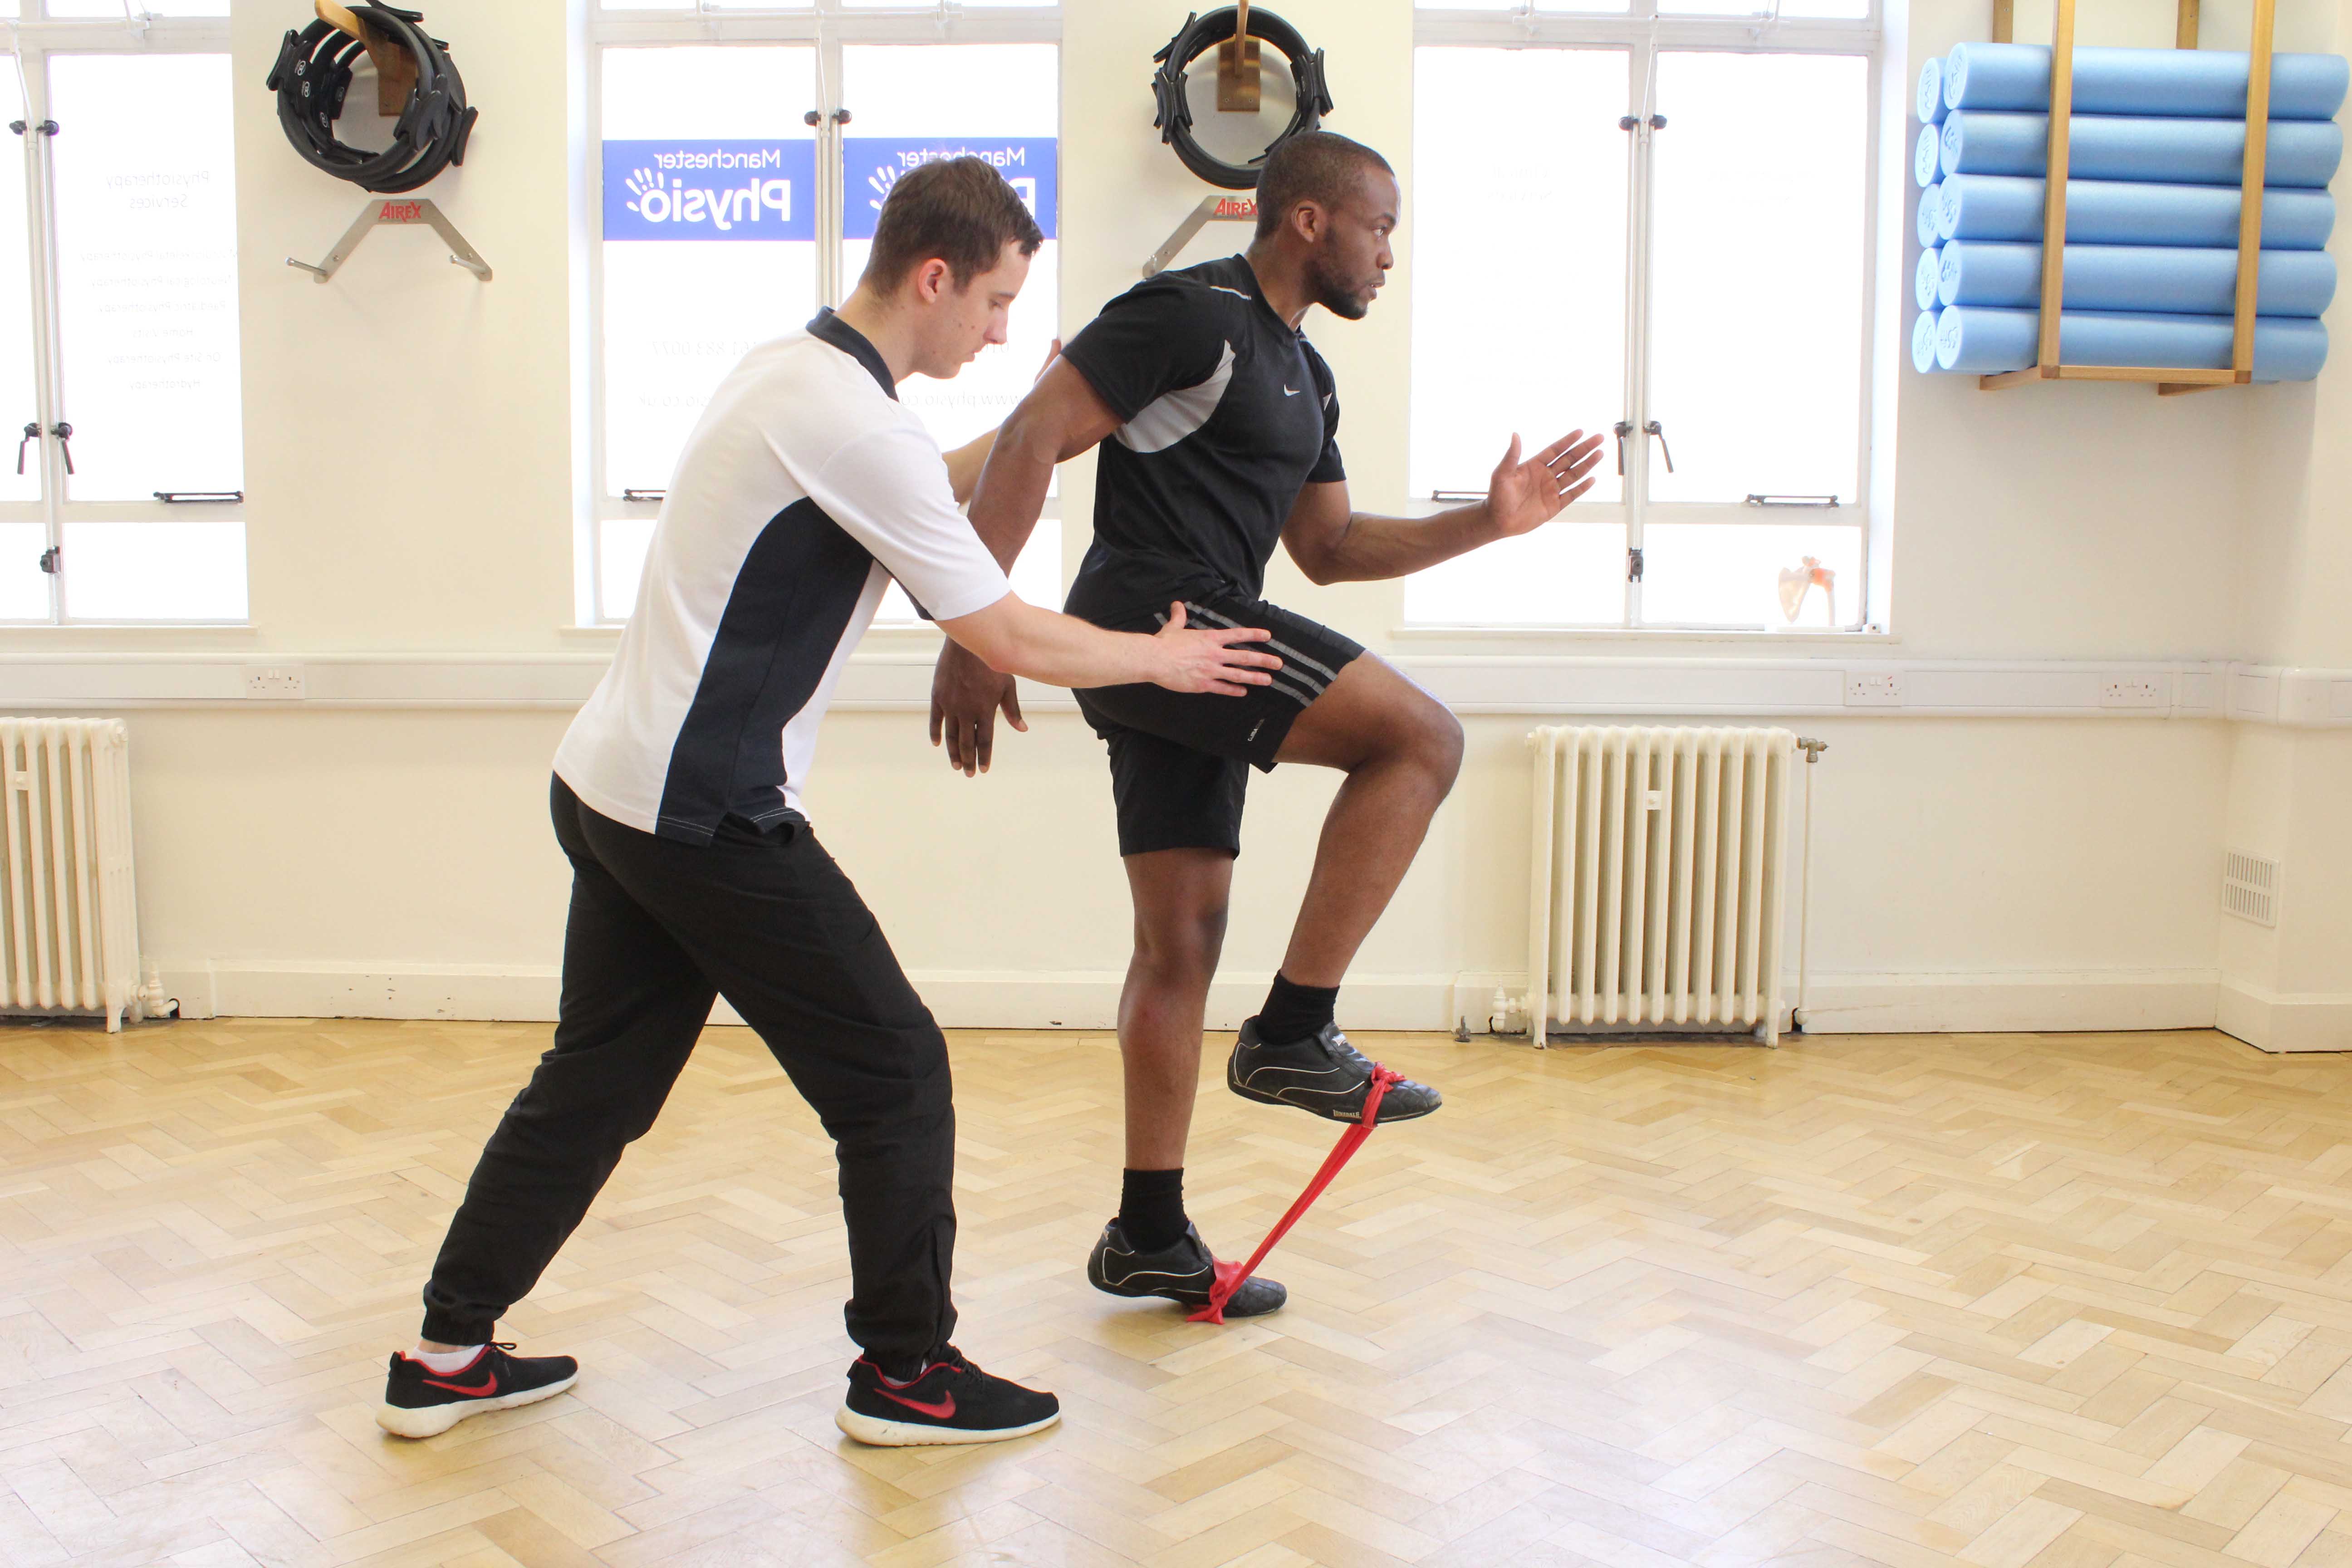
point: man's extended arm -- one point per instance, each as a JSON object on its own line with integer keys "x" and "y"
{"x": 1332, "y": 543}
{"x": 1062, "y": 417}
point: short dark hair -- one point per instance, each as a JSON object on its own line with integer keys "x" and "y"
{"x": 959, "y": 210}
{"x": 1312, "y": 166}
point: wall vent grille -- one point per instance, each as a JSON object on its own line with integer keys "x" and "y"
{"x": 2250, "y": 888}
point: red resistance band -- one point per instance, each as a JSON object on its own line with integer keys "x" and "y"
{"x": 1230, "y": 1276}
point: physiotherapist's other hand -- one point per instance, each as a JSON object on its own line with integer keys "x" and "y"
{"x": 1215, "y": 660}
{"x": 966, "y": 696}
{"x": 1523, "y": 496}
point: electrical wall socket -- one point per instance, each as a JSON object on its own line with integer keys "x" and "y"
{"x": 1881, "y": 688}
{"x": 277, "y": 682}
{"x": 2134, "y": 691}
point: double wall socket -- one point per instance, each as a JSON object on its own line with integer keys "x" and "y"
{"x": 275, "y": 682}
{"x": 2132, "y": 692}
{"x": 1874, "y": 689}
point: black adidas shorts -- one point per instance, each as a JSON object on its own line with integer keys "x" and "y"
{"x": 1180, "y": 762}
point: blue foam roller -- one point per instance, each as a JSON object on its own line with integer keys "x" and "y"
{"x": 2301, "y": 153}
{"x": 1923, "y": 341}
{"x": 2208, "y": 82}
{"x": 1928, "y": 101}
{"x": 1928, "y": 278}
{"x": 2116, "y": 212}
{"x": 1984, "y": 342}
{"x": 1926, "y": 156}
{"x": 1931, "y": 213}
{"x": 2135, "y": 277}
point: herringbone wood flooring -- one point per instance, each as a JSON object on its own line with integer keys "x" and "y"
{"x": 2074, "y": 1301}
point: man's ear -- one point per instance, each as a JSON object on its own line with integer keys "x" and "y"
{"x": 932, "y": 280}
{"x": 1309, "y": 219}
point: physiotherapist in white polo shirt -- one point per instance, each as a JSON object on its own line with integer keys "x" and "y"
{"x": 805, "y": 489}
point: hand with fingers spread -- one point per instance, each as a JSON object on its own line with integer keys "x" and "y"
{"x": 1523, "y": 496}
{"x": 1211, "y": 659}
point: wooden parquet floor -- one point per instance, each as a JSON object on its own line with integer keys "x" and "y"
{"x": 2068, "y": 1300}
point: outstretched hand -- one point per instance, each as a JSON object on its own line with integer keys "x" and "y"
{"x": 1523, "y": 496}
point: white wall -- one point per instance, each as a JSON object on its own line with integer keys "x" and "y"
{"x": 410, "y": 451}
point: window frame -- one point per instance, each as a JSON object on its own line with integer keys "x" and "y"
{"x": 1641, "y": 32}
{"x": 30, "y": 41}
{"x": 825, "y": 26}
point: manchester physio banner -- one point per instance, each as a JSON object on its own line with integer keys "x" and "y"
{"x": 710, "y": 190}
{"x": 872, "y": 164}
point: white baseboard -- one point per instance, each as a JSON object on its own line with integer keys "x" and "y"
{"x": 1992, "y": 1002}
{"x": 960, "y": 999}
{"x": 2307, "y": 1021}
{"x": 2011, "y": 1002}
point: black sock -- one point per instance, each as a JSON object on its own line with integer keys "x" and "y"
{"x": 1295, "y": 1012}
{"x": 1151, "y": 1208}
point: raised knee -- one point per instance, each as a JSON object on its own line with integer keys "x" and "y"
{"x": 1427, "y": 738}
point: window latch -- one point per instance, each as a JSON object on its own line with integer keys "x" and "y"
{"x": 62, "y": 431}
{"x": 643, "y": 495}
{"x": 46, "y": 127}
{"x": 53, "y": 559}
{"x": 1633, "y": 565}
{"x": 205, "y": 497}
{"x": 1632, "y": 121}
{"x": 1655, "y": 428}
{"x": 1823, "y": 502}
{"x": 1623, "y": 427}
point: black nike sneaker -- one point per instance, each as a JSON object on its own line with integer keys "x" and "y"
{"x": 1183, "y": 1272}
{"x": 1322, "y": 1073}
{"x": 952, "y": 1401}
{"x": 421, "y": 1402}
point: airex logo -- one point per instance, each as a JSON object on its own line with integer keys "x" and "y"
{"x": 872, "y": 164}
{"x": 710, "y": 190}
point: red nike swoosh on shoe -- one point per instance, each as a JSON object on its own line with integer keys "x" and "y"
{"x": 471, "y": 1390}
{"x": 943, "y": 1410}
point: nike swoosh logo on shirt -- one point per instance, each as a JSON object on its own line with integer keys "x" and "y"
{"x": 944, "y": 1410}
{"x": 1290, "y": 391}
{"x": 471, "y": 1390}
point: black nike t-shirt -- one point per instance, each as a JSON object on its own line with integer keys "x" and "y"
{"x": 1225, "y": 413}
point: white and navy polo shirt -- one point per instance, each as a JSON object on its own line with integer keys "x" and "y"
{"x": 805, "y": 487}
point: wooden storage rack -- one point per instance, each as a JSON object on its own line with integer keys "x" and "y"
{"x": 2170, "y": 381}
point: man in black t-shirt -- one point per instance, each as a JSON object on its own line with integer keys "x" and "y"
{"x": 1217, "y": 423}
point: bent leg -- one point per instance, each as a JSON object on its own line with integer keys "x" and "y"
{"x": 1400, "y": 750}
{"x": 633, "y": 1005}
{"x": 785, "y": 936}
{"x": 1180, "y": 896}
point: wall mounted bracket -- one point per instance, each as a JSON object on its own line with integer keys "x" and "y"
{"x": 401, "y": 210}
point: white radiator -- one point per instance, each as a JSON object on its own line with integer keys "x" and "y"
{"x": 69, "y": 914}
{"x": 1661, "y": 861}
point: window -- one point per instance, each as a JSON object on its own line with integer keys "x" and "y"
{"x": 1680, "y": 241}
{"x": 729, "y": 218}
{"x": 119, "y": 320}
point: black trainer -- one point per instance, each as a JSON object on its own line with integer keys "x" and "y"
{"x": 1322, "y": 1073}
{"x": 421, "y": 1402}
{"x": 1183, "y": 1272}
{"x": 952, "y": 1401}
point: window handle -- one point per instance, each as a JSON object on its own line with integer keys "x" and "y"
{"x": 64, "y": 432}
{"x": 1655, "y": 428}
{"x": 53, "y": 559}
{"x": 32, "y": 434}
{"x": 1623, "y": 427}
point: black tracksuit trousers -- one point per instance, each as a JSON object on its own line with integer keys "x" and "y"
{"x": 659, "y": 930}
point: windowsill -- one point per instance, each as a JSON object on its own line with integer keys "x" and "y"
{"x": 1552, "y": 635}
{"x": 231, "y": 631}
